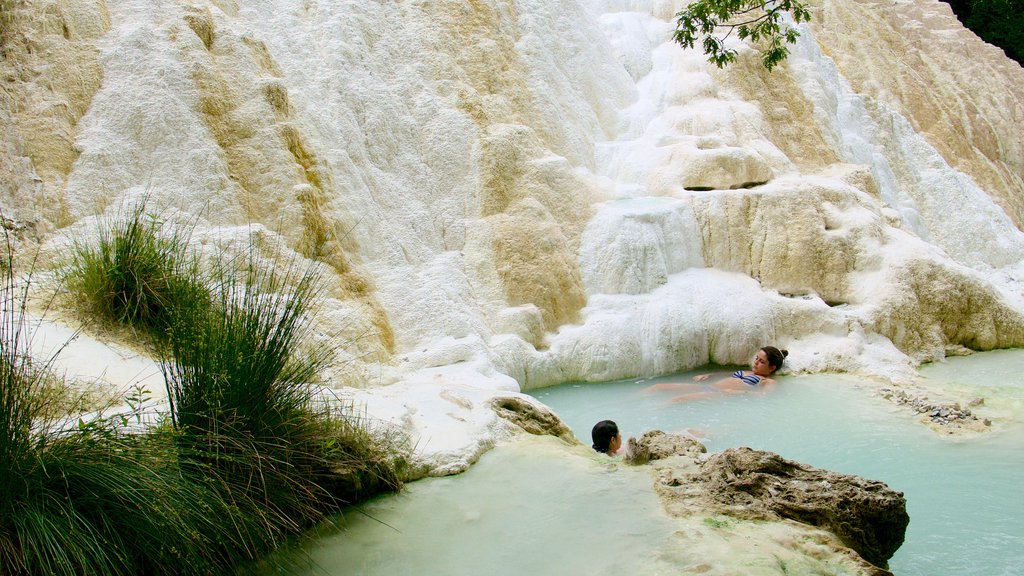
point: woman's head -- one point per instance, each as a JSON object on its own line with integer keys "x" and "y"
{"x": 768, "y": 360}
{"x": 605, "y": 435}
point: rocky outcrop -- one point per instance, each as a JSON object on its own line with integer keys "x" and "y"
{"x": 533, "y": 417}
{"x": 922, "y": 62}
{"x": 865, "y": 515}
{"x": 657, "y": 445}
{"x": 50, "y": 70}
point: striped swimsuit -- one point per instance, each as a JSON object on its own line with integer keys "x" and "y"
{"x": 751, "y": 379}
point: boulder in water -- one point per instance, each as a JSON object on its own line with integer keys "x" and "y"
{"x": 866, "y": 515}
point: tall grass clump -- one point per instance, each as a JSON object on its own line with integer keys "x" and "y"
{"x": 87, "y": 498}
{"x": 137, "y": 276}
{"x": 245, "y": 406}
{"x": 248, "y": 455}
{"x": 98, "y": 500}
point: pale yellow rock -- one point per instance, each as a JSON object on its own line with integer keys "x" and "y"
{"x": 932, "y": 305}
{"x": 963, "y": 95}
{"x": 536, "y": 263}
{"x": 713, "y": 168}
{"x": 789, "y": 116}
{"x": 795, "y": 236}
{"x": 50, "y": 71}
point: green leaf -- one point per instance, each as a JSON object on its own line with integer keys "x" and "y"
{"x": 757, "y": 21}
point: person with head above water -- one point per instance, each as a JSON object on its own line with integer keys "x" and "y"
{"x": 606, "y": 437}
{"x": 767, "y": 360}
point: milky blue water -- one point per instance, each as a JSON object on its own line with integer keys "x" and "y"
{"x": 531, "y": 508}
{"x": 536, "y": 507}
{"x": 964, "y": 496}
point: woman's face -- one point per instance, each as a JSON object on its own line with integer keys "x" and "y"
{"x": 760, "y": 365}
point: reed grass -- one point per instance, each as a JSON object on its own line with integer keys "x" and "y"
{"x": 90, "y": 498}
{"x": 243, "y": 397}
{"x": 248, "y": 456}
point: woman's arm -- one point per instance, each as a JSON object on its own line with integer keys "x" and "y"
{"x": 669, "y": 386}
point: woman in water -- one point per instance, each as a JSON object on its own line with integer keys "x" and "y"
{"x": 606, "y": 437}
{"x": 766, "y": 362}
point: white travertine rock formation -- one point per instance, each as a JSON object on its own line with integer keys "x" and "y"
{"x": 508, "y": 194}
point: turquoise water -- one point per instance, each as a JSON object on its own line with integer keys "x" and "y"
{"x": 537, "y": 507}
{"x": 526, "y": 508}
{"x": 963, "y": 495}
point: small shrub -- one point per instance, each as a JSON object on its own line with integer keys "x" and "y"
{"x": 362, "y": 459}
{"x": 137, "y": 277}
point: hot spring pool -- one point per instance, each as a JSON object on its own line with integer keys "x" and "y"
{"x": 535, "y": 507}
{"x": 963, "y": 496}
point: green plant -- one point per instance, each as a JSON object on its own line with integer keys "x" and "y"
{"x": 756, "y": 20}
{"x": 91, "y": 498}
{"x": 247, "y": 457}
{"x": 720, "y": 522}
{"x": 363, "y": 458}
{"x": 99, "y": 501}
{"x": 136, "y": 276}
{"x": 19, "y": 404}
{"x": 1001, "y": 23}
{"x": 243, "y": 400}
{"x": 998, "y": 22}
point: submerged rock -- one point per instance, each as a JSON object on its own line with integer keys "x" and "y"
{"x": 865, "y": 515}
{"x": 948, "y": 417}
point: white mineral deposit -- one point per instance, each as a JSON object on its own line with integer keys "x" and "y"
{"x": 507, "y": 195}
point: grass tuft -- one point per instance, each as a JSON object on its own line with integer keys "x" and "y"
{"x": 137, "y": 276}
{"x": 89, "y": 498}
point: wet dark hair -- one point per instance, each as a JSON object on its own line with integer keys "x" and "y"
{"x": 775, "y": 356}
{"x": 602, "y": 435}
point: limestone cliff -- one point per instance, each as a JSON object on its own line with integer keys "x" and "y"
{"x": 514, "y": 193}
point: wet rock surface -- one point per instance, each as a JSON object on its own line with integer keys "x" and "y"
{"x": 865, "y": 515}
{"x": 657, "y": 445}
{"x": 950, "y": 416}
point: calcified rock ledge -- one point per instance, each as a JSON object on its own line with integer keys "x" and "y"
{"x": 510, "y": 194}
